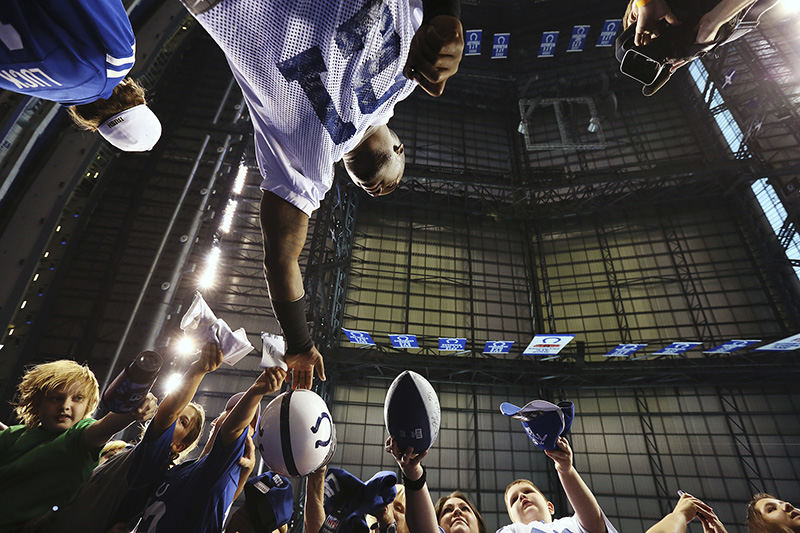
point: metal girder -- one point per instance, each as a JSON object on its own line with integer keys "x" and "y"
{"x": 653, "y": 453}
{"x": 548, "y": 195}
{"x": 328, "y": 264}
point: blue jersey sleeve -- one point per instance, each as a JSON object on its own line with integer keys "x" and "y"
{"x": 69, "y": 52}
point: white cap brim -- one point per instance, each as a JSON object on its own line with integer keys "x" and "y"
{"x": 137, "y": 129}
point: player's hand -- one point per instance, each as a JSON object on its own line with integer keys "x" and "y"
{"x": 147, "y": 409}
{"x": 210, "y": 359}
{"x": 303, "y": 366}
{"x": 435, "y": 53}
{"x": 647, "y": 17}
{"x": 707, "y": 28}
{"x": 407, "y": 460}
{"x": 269, "y": 381}
{"x": 248, "y": 458}
{"x": 562, "y": 457}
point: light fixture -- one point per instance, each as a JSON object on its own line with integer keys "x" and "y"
{"x": 241, "y": 177}
{"x": 185, "y": 346}
{"x": 172, "y": 382}
{"x": 594, "y": 125}
{"x": 522, "y": 127}
{"x": 206, "y": 278}
{"x": 227, "y": 216}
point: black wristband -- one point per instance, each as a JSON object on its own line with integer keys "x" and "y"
{"x": 414, "y": 485}
{"x": 433, "y": 8}
{"x": 292, "y": 318}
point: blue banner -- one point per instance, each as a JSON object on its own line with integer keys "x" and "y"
{"x": 498, "y": 346}
{"x": 500, "y": 45}
{"x": 472, "y": 42}
{"x": 608, "y": 33}
{"x": 358, "y": 337}
{"x": 783, "y": 345}
{"x": 452, "y": 345}
{"x": 624, "y": 350}
{"x": 548, "y": 46}
{"x": 677, "y": 348}
{"x": 404, "y": 341}
{"x": 578, "y": 38}
{"x": 732, "y": 346}
{"x": 547, "y": 344}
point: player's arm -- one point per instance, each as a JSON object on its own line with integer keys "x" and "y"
{"x": 247, "y": 407}
{"x": 587, "y": 510}
{"x": 437, "y": 46}
{"x": 284, "y": 228}
{"x": 712, "y": 21}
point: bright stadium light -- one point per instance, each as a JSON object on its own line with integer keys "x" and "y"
{"x": 206, "y": 278}
{"x": 173, "y": 381}
{"x": 185, "y": 346}
{"x": 241, "y": 177}
{"x": 227, "y": 216}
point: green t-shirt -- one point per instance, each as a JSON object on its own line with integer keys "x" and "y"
{"x": 39, "y": 469}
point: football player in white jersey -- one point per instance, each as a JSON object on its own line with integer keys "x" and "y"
{"x": 321, "y": 79}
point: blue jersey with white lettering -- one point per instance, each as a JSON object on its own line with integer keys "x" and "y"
{"x": 67, "y": 51}
{"x": 315, "y": 75}
{"x": 194, "y": 497}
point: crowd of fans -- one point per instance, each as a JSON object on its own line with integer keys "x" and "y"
{"x": 60, "y": 472}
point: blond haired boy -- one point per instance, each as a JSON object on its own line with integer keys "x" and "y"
{"x": 45, "y": 459}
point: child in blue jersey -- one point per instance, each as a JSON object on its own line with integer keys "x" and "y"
{"x": 195, "y": 496}
{"x": 78, "y": 53}
{"x": 44, "y": 460}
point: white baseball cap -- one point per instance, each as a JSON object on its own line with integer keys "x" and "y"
{"x": 137, "y": 129}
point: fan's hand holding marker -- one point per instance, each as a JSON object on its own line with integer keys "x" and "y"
{"x": 200, "y": 322}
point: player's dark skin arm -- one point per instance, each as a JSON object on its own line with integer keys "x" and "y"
{"x": 284, "y": 229}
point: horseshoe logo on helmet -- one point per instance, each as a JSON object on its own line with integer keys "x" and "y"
{"x": 315, "y": 428}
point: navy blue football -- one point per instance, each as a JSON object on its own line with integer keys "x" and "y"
{"x": 411, "y": 412}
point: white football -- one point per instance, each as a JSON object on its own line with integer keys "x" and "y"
{"x": 411, "y": 412}
{"x": 296, "y": 435}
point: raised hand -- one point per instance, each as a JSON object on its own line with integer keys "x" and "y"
{"x": 146, "y": 409}
{"x": 303, "y": 366}
{"x": 210, "y": 359}
{"x": 269, "y": 381}
{"x": 435, "y": 53}
{"x": 407, "y": 460}
{"x": 647, "y": 13}
{"x": 561, "y": 457}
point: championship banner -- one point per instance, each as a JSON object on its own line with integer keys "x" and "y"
{"x": 547, "y": 344}
{"x": 452, "y": 345}
{"x": 783, "y": 345}
{"x": 404, "y": 341}
{"x": 732, "y": 346}
{"x": 472, "y": 42}
{"x": 578, "y": 38}
{"x": 548, "y": 46}
{"x": 624, "y": 350}
{"x": 498, "y": 346}
{"x": 677, "y": 348}
{"x": 500, "y": 45}
{"x": 608, "y": 33}
{"x": 358, "y": 337}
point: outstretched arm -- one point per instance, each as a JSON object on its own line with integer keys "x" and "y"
{"x": 580, "y": 497}
{"x": 687, "y": 508}
{"x": 721, "y": 13}
{"x": 284, "y": 228}
{"x": 420, "y": 514}
{"x": 315, "y": 500}
{"x": 98, "y": 433}
{"x": 175, "y": 402}
{"x": 244, "y": 411}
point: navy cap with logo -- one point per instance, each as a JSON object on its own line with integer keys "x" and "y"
{"x": 270, "y": 501}
{"x": 348, "y": 499}
{"x": 543, "y": 421}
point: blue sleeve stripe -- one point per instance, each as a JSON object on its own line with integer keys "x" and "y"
{"x": 117, "y": 73}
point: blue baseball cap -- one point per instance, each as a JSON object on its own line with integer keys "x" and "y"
{"x": 543, "y": 421}
{"x": 348, "y": 499}
{"x": 270, "y": 501}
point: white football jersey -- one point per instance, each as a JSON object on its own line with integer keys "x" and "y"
{"x": 315, "y": 74}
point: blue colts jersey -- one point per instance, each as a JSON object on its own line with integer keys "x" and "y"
{"x": 67, "y": 51}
